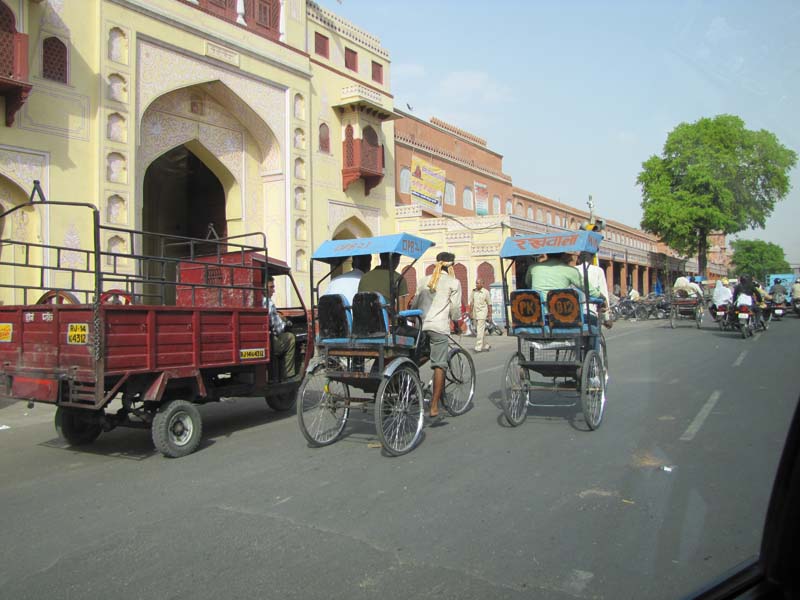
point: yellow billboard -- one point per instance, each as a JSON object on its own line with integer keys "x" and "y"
{"x": 427, "y": 185}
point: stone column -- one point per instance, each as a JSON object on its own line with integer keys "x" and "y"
{"x": 646, "y": 281}
{"x": 623, "y": 279}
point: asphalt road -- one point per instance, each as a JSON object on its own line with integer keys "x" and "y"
{"x": 670, "y": 491}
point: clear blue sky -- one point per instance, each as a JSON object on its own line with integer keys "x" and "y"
{"x": 577, "y": 94}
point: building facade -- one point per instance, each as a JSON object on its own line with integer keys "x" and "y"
{"x": 266, "y": 116}
{"x": 475, "y": 230}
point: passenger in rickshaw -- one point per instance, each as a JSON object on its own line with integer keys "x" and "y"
{"x": 347, "y": 284}
{"x": 381, "y": 277}
{"x": 686, "y": 288}
{"x": 439, "y": 299}
{"x": 598, "y": 286}
{"x": 282, "y": 342}
{"x": 553, "y": 274}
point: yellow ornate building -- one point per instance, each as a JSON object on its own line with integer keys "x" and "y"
{"x": 168, "y": 115}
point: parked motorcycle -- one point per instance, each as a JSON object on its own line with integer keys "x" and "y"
{"x": 492, "y": 328}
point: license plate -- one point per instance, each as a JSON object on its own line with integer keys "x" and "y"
{"x": 744, "y": 317}
{"x": 779, "y": 312}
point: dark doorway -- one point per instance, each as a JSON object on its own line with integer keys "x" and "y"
{"x": 182, "y": 196}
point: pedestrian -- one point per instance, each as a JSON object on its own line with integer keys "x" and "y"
{"x": 439, "y": 299}
{"x": 346, "y": 284}
{"x": 480, "y": 309}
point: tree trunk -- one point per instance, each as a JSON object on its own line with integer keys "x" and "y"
{"x": 702, "y": 251}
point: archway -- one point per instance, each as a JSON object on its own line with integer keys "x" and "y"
{"x": 21, "y": 226}
{"x": 350, "y": 229}
{"x": 183, "y": 196}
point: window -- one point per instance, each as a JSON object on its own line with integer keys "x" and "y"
{"x": 496, "y": 205}
{"x": 509, "y": 207}
{"x": 324, "y": 139}
{"x": 54, "y": 60}
{"x": 539, "y": 215}
{"x": 262, "y": 13}
{"x": 321, "y": 46}
{"x": 466, "y": 198}
{"x": 530, "y": 213}
{"x": 405, "y": 180}
{"x": 351, "y": 59}
{"x": 377, "y": 72}
{"x": 520, "y": 210}
{"x": 450, "y": 193}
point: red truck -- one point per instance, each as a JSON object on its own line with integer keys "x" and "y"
{"x": 173, "y": 323}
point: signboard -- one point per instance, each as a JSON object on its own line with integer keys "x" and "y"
{"x": 6, "y": 332}
{"x": 427, "y": 185}
{"x": 481, "y": 198}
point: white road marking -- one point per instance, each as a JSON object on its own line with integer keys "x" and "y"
{"x": 695, "y": 425}
{"x": 739, "y": 360}
{"x": 2, "y": 427}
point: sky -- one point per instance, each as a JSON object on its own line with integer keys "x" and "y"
{"x": 577, "y": 94}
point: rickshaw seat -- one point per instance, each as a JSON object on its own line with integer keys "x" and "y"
{"x": 566, "y": 313}
{"x": 527, "y": 313}
{"x": 335, "y": 318}
{"x": 371, "y": 321}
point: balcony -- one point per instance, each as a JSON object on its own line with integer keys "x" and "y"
{"x": 262, "y": 17}
{"x": 363, "y": 159}
{"x": 14, "y": 85}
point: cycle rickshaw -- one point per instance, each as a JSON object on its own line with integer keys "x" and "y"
{"x": 557, "y": 335}
{"x": 374, "y": 348}
{"x": 684, "y": 306}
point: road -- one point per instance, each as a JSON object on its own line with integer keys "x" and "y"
{"x": 670, "y": 491}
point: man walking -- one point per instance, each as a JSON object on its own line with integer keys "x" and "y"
{"x": 480, "y": 309}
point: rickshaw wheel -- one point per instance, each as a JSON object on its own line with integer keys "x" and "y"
{"x": 593, "y": 389}
{"x": 698, "y": 316}
{"x": 323, "y": 406}
{"x": 672, "y": 316}
{"x": 516, "y": 391}
{"x": 399, "y": 411}
{"x": 459, "y": 387}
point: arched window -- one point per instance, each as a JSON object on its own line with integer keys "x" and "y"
{"x": 450, "y": 193}
{"x": 300, "y": 230}
{"x": 530, "y": 213}
{"x": 486, "y": 273}
{"x": 539, "y": 215}
{"x": 405, "y": 180}
{"x": 370, "y": 149}
{"x": 410, "y": 275}
{"x": 466, "y": 198}
{"x": 496, "y": 205}
{"x": 324, "y": 139}
{"x": 54, "y": 59}
{"x": 549, "y": 219}
{"x": 520, "y": 209}
{"x": 300, "y": 260}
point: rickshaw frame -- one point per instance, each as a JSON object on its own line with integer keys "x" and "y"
{"x": 576, "y": 353}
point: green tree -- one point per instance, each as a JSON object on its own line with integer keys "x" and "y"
{"x": 713, "y": 175}
{"x": 758, "y": 258}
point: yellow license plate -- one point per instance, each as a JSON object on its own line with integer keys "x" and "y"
{"x": 252, "y": 353}
{"x": 77, "y": 333}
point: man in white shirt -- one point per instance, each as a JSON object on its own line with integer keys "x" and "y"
{"x": 480, "y": 309}
{"x": 346, "y": 284}
{"x": 598, "y": 286}
{"x": 439, "y": 299}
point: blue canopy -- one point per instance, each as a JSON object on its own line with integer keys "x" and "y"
{"x": 399, "y": 243}
{"x": 551, "y": 243}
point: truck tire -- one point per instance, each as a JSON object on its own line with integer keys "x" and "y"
{"x": 177, "y": 428}
{"x": 75, "y": 427}
{"x": 282, "y": 402}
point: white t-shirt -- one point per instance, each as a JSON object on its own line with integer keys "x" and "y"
{"x": 345, "y": 284}
{"x": 441, "y": 306}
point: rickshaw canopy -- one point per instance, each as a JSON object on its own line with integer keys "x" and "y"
{"x": 399, "y": 243}
{"x": 548, "y": 243}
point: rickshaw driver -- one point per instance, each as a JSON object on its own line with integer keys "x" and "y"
{"x": 380, "y": 278}
{"x": 439, "y": 299}
{"x": 283, "y": 342}
{"x": 598, "y": 286}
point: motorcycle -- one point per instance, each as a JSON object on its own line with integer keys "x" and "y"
{"x": 492, "y": 328}
{"x": 743, "y": 317}
{"x": 796, "y": 306}
{"x": 719, "y": 314}
{"x": 777, "y": 310}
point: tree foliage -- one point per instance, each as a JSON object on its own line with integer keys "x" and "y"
{"x": 758, "y": 258}
{"x": 713, "y": 175}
